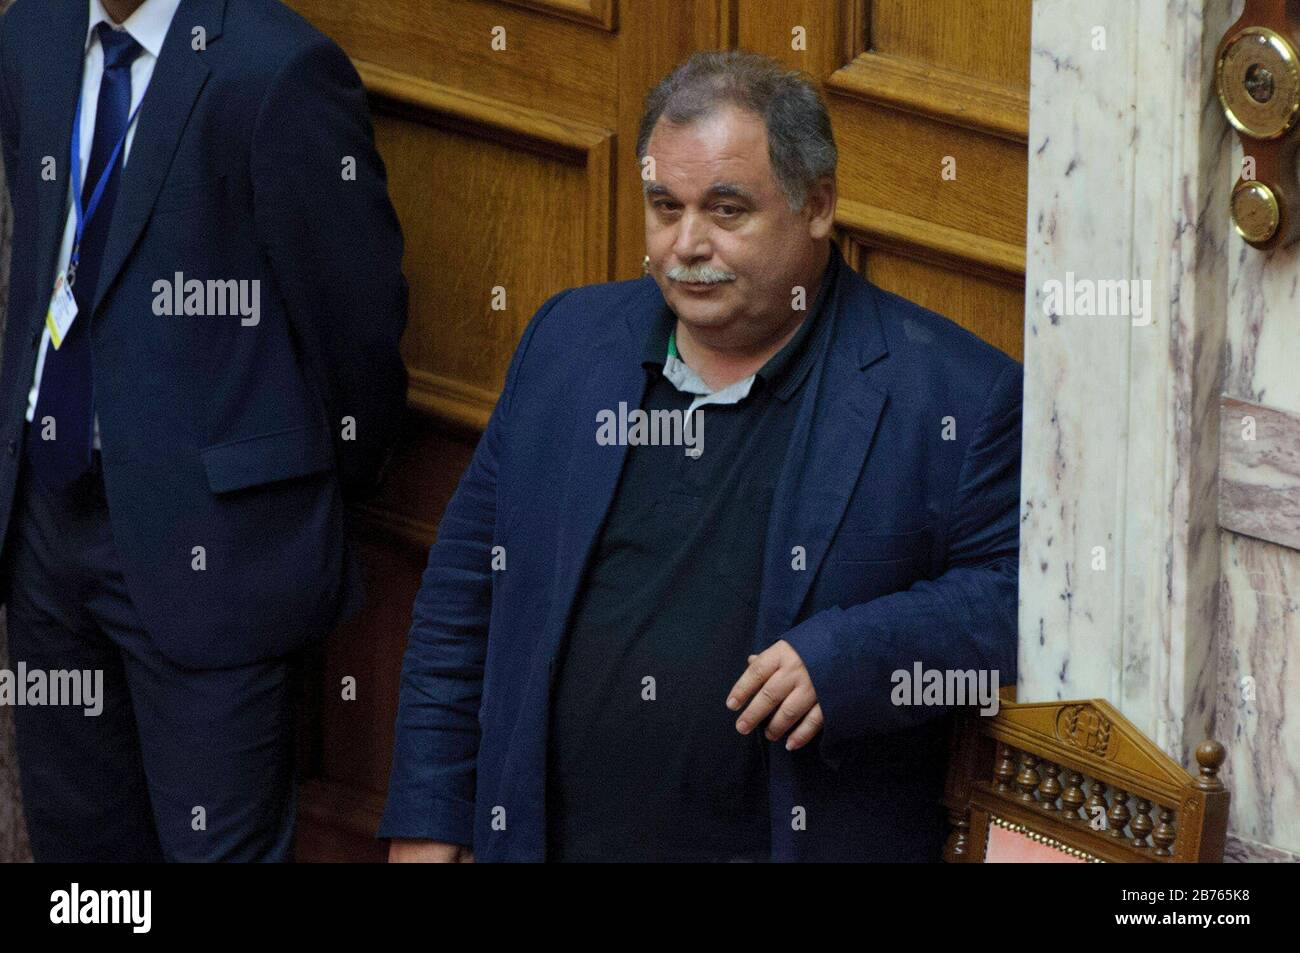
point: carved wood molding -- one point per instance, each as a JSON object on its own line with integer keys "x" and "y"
{"x": 942, "y": 94}
{"x": 941, "y": 244}
{"x": 1055, "y": 767}
{"x": 569, "y": 140}
{"x": 717, "y": 24}
{"x": 1259, "y": 471}
{"x": 446, "y": 398}
{"x": 598, "y": 13}
{"x": 854, "y": 40}
{"x": 1129, "y": 756}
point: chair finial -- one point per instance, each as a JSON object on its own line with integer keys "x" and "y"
{"x": 1209, "y": 755}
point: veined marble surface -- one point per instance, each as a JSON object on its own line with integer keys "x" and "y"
{"x": 1119, "y": 553}
{"x": 1129, "y": 589}
{"x": 1256, "y": 713}
{"x": 1259, "y": 648}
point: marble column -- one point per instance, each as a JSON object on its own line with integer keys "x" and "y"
{"x": 1129, "y": 588}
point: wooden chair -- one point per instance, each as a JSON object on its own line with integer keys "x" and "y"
{"x": 1075, "y": 782}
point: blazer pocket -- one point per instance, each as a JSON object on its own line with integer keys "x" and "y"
{"x": 267, "y": 457}
{"x": 189, "y": 194}
{"x": 882, "y": 547}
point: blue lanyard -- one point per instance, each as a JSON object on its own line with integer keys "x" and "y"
{"x": 83, "y": 216}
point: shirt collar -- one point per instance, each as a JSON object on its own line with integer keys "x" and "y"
{"x": 148, "y": 26}
{"x": 661, "y": 342}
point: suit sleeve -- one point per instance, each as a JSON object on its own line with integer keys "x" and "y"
{"x": 431, "y": 786}
{"x": 965, "y": 619}
{"x": 8, "y": 110}
{"x": 325, "y": 221}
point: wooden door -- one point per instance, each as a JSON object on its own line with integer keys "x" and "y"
{"x": 509, "y": 131}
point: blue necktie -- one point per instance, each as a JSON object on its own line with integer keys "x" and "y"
{"x": 65, "y": 391}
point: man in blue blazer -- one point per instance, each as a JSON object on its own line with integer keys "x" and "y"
{"x": 677, "y": 631}
{"x": 200, "y": 367}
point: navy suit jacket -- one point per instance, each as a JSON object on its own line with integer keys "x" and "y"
{"x": 217, "y": 434}
{"x": 911, "y": 545}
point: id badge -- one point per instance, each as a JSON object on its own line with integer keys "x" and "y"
{"x": 63, "y": 311}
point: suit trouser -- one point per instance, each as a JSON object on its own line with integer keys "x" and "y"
{"x": 180, "y": 764}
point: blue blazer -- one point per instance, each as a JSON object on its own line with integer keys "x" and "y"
{"x": 911, "y": 544}
{"x": 217, "y": 434}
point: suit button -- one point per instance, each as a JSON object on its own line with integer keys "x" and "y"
{"x": 13, "y": 448}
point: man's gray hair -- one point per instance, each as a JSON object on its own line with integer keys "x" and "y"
{"x": 800, "y": 144}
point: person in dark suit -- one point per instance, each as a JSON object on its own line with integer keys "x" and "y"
{"x": 634, "y": 648}
{"x": 200, "y": 368}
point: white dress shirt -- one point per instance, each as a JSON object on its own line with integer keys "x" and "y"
{"x": 148, "y": 26}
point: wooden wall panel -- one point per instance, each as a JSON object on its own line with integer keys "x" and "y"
{"x": 601, "y": 13}
{"x": 935, "y": 32}
{"x": 459, "y": 360}
{"x": 567, "y": 68}
{"x": 831, "y": 34}
{"x": 515, "y": 241}
{"x": 891, "y": 160}
{"x": 348, "y": 744}
{"x": 981, "y": 304}
{"x": 910, "y": 84}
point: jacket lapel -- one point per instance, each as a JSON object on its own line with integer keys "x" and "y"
{"x": 178, "y": 77}
{"x": 593, "y": 476}
{"x": 594, "y": 470}
{"x": 841, "y": 409}
{"x": 52, "y": 133}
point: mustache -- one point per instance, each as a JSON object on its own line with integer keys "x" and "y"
{"x": 699, "y": 274}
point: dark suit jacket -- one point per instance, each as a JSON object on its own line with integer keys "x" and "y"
{"x": 217, "y": 434}
{"x": 912, "y": 553}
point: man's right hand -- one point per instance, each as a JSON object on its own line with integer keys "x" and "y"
{"x": 428, "y": 852}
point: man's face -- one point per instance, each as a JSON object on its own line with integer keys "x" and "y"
{"x": 724, "y": 246}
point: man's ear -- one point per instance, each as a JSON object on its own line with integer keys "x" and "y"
{"x": 820, "y": 207}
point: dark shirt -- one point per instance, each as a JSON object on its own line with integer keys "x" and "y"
{"x": 656, "y": 771}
